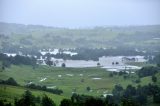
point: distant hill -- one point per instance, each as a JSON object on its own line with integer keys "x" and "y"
{"x": 36, "y": 36}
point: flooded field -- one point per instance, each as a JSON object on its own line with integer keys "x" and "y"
{"x": 111, "y": 63}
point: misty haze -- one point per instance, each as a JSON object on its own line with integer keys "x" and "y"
{"x": 79, "y": 53}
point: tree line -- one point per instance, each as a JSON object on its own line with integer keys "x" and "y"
{"x": 17, "y": 60}
{"x": 44, "y": 88}
{"x": 94, "y": 54}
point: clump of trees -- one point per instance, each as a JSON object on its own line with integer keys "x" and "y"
{"x": 17, "y": 60}
{"x": 3, "y": 103}
{"x": 9, "y": 81}
{"x": 88, "y": 88}
{"x": 44, "y": 88}
{"x": 49, "y": 63}
{"x": 46, "y": 101}
{"x": 28, "y": 99}
{"x": 121, "y": 73}
{"x": 85, "y": 100}
{"x": 66, "y": 102}
{"x": 155, "y": 60}
{"x": 138, "y": 96}
{"x": 148, "y": 71}
{"x": 154, "y": 78}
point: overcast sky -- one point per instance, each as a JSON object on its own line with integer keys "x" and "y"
{"x": 80, "y": 13}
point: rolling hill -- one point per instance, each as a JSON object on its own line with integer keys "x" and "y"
{"x": 36, "y": 36}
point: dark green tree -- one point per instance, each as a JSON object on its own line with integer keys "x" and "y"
{"x": 11, "y": 81}
{"x": 49, "y": 62}
{"x": 27, "y": 100}
{"x": 88, "y": 88}
{"x": 66, "y": 102}
{"x": 46, "y": 101}
{"x": 94, "y": 102}
{"x": 63, "y": 65}
{"x": 128, "y": 102}
{"x": 156, "y": 98}
{"x": 154, "y": 78}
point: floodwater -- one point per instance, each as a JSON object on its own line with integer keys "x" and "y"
{"x": 111, "y": 63}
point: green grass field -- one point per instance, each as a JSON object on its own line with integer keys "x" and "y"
{"x": 12, "y": 92}
{"x": 71, "y": 80}
{"x": 25, "y": 74}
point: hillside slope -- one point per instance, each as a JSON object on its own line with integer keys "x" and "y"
{"x": 34, "y": 36}
{"x": 11, "y": 92}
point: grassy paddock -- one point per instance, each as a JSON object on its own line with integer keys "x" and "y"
{"x": 71, "y": 80}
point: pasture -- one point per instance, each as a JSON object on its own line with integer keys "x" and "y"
{"x": 71, "y": 79}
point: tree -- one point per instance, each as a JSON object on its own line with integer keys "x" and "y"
{"x": 82, "y": 80}
{"x": 49, "y": 62}
{"x": 6, "y": 63}
{"x": 88, "y": 88}
{"x": 74, "y": 97}
{"x": 63, "y": 65}
{"x": 130, "y": 91}
{"x": 54, "y": 64}
{"x": 148, "y": 71}
{"x": 46, "y": 101}
{"x": 94, "y": 102}
{"x": 138, "y": 80}
{"x": 3, "y": 103}
{"x": 66, "y": 102}
{"x": 117, "y": 93}
{"x": 26, "y": 100}
{"x": 117, "y": 63}
{"x": 141, "y": 99}
{"x": 11, "y": 81}
{"x": 98, "y": 64}
{"x": 156, "y": 60}
{"x": 154, "y": 78}
{"x": 109, "y": 100}
{"x": 128, "y": 102}
{"x": 156, "y": 98}
{"x": 110, "y": 74}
